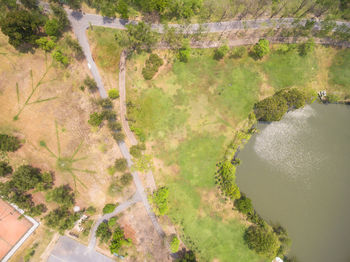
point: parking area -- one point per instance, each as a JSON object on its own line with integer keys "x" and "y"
{"x": 69, "y": 250}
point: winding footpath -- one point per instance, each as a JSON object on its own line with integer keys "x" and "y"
{"x": 80, "y": 22}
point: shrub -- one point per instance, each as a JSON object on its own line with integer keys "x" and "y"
{"x": 113, "y": 93}
{"x": 152, "y": 65}
{"x": 114, "y": 126}
{"x": 307, "y": 47}
{"x": 109, "y": 115}
{"x": 126, "y": 179}
{"x": 244, "y": 205}
{"x": 9, "y": 143}
{"x": 91, "y": 210}
{"x": 112, "y": 221}
{"x": 136, "y": 150}
{"x": 5, "y": 169}
{"x": 160, "y": 200}
{"x": 118, "y": 240}
{"x": 103, "y": 232}
{"x": 174, "y": 244}
{"x": 187, "y": 256}
{"x": 95, "y": 119}
{"x": 261, "y": 48}
{"x": 60, "y": 15}
{"x": 121, "y": 164}
{"x": 60, "y": 57}
{"x": 46, "y": 44}
{"x": 238, "y": 52}
{"x": 118, "y": 136}
{"x": 61, "y": 195}
{"x": 220, "y": 52}
{"x": 226, "y": 178}
{"x": 75, "y": 46}
{"x": 52, "y": 27}
{"x": 87, "y": 225}
{"x": 90, "y": 83}
{"x": 184, "y": 54}
{"x": 262, "y": 241}
{"x": 109, "y": 208}
{"x": 105, "y": 103}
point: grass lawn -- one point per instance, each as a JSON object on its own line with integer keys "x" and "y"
{"x": 339, "y": 72}
{"x": 289, "y": 69}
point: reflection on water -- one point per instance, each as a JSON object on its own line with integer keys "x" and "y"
{"x": 297, "y": 173}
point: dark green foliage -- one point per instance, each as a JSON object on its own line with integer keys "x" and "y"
{"x": 37, "y": 210}
{"x": 160, "y": 200}
{"x": 244, "y": 205}
{"x": 114, "y": 126}
{"x": 273, "y": 108}
{"x": 109, "y": 208}
{"x": 46, "y": 182}
{"x": 61, "y": 219}
{"x": 152, "y": 65}
{"x": 60, "y": 57}
{"x": 284, "y": 239}
{"x": 342, "y": 33}
{"x": 46, "y": 44}
{"x": 75, "y": 46}
{"x": 30, "y": 4}
{"x": 122, "y": 9}
{"x": 261, "y": 48}
{"x": 255, "y": 218}
{"x": 126, "y": 179}
{"x": 136, "y": 150}
{"x": 21, "y": 27}
{"x": 184, "y": 54}
{"x": 121, "y": 164}
{"x": 95, "y": 119}
{"x": 105, "y": 103}
{"x": 90, "y": 83}
{"x": 5, "y": 169}
{"x": 220, "y": 52}
{"x": 25, "y": 178}
{"x": 52, "y": 27}
{"x": 112, "y": 221}
{"x": 187, "y": 256}
{"x": 117, "y": 241}
{"x": 226, "y": 179}
{"x": 137, "y": 37}
{"x": 103, "y": 232}
{"x": 61, "y": 195}
{"x": 118, "y": 136}
{"x": 109, "y": 115}
{"x": 61, "y": 15}
{"x": 307, "y": 47}
{"x": 262, "y": 241}
{"x": 9, "y": 143}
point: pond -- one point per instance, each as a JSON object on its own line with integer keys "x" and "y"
{"x": 297, "y": 173}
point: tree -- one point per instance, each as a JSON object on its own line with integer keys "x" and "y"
{"x": 113, "y": 93}
{"x": 160, "y": 200}
{"x": 174, "y": 244}
{"x": 220, "y": 52}
{"x": 136, "y": 150}
{"x": 61, "y": 195}
{"x": 46, "y": 44}
{"x": 226, "y": 178}
{"x": 261, "y": 48}
{"x": 262, "y": 241}
{"x": 121, "y": 164}
{"x": 103, "y": 232}
{"x": 112, "y": 221}
{"x": 126, "y": 179}
{"x": 137, "y": 37}
{"x": 118, "y": 240}
{"x": 9, "y": 143}
{"x": 244, "y": 205}
{"x": 61, "y": 219}
{"x": 30, "y": 4}
{"x": 307, "y": 47}
{"x": 122, "y": 9}
{"x": 61, "y": 15}
{"x": 109, "y": 208}
{"x": 95, "y": 119}
{"x": 271, "y": 109}
{"x": 52, "y": 27}
{"x": 37, "y": 210}
{"x": 60, "y": 57}
{"x": 90, "y": 83}
{"x": 26, "y": 177}
{"x": 5, "y": 169}
{"x": 21, "y": 27}
{"x": 187, "y": 256}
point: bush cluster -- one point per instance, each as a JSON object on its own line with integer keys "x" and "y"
{"x": 160, "y": 200}
{"x": 220, "y": 52}
{"x": 113, "y": 93}
{"x": 226, "y": 179}
{"x": 273, "y": 108}
{"x": 109, "y": 208}
{"x": 152, "y": 65}
{"x": 9, "y": 143}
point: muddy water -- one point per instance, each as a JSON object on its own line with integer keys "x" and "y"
{"x": 297, "y": 172}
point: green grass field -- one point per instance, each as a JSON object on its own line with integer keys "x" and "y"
{"x": 339, "y": 73}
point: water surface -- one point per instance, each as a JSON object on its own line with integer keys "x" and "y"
{"x": 297, "y": 172}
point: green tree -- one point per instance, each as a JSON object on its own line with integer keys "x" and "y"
{"x": 46, "y": 44}
{"x": 9, "y": 143}
{"x": 121, "y": 164}
{"x": 271, "y": 109}
{"x": 21, "y": 27}
{"x": 95, "y": 119}
{"x": 109, "y": 208}
{"x": 5, "y": 169}
{"x": 226, "y": 178}
{"x": 262, "y": 241}
{"x": 123, "y": 9}
{"x": 60, "y": 57}
{"x": 160, "y": 200}
{"x": 307, "y": 47}
{"x": 244, "y": 205}
{"x": 90, "y": 83}
{"x": 61, "y": 15}
{"x": 220, "y": 52}
{"x": 103, "y": 232}
{"x": 37, "y": 210}
{"x": 61, "y": 219}
{"x": 112, "y": 221}
{"x": 30, "y": 4}
{"x": 126, "y": 179}
{"x": 136, "y": 150}
{"x": 261, "y": 48}
{"x": 26, "y": 177}
{"x": 117, "y": 241}
{"x": 113, "y": 93}
{"x": 52, "y": 27}
{"x": 187, "y": 256}
{"x": 174, "y": 244}
{"x": 61, "y": 195}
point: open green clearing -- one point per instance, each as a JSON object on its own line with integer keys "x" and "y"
{"x": 188, "y": 114}
{"x": 340, "y": 71}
